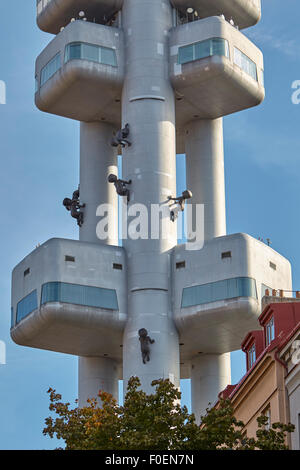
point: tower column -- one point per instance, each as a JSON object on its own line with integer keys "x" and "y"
{"x": 211, "y": 373}
{"x": 148, "y": 107}
{"x": 205, "y": 178}
{"x": 205, "y": 172}
{"x": 97, "y": 160}
{"x": 97, "y": 373}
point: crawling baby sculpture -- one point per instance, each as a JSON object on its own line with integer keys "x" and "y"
{"x": 145, "y": 341}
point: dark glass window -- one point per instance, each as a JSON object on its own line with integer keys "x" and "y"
{"x": 80, "y": 295}
{"x": 108, "y": 56}
{"x": 27, "y": 305}
{"x": 180, "y": 265}
{"x": 220, "y": 290}
{"x": 186, "y": 54}
{"x": 200, "y": 50}
{"x": 70, "y": 258}
{"x": 50, "y": 69}
{"x": 74, "y": 51}
{"x": 219, "y": 47}
{"x": 92, "y": 52}
{"x": 117, "y": 266}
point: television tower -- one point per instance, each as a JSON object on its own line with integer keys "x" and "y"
{"x": 148, "y": 79}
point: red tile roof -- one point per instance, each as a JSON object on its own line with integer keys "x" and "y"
{"x": 285, "y": 334}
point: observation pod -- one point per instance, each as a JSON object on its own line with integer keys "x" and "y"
{"x": 54, "y": 14}
{"x": 70, "y": 297}
{"x": 214, "y": 69}
{"x": 244, "y": 13}
{"x": 217, "y": 291}
{"x": 79, "y": 75}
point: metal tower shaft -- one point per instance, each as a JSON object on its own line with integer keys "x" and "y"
{"x": 148, "y": 105}
{"x": 98, "y": 159}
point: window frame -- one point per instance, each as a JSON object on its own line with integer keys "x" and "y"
{"x": 211, "y": 286}
{"x": 100, "y": 48}
{"x": 59, "y": 299}
{"x": 209, "y": 42}
{"x": 251, "y": 355}
{"x": 270, "y": 331}
{"x": 36, "y": 306}
{"x": 42, "y": 82}
{"x": 244, "y": 56}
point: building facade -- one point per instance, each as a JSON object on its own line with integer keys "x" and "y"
{"x": 290, "y": 354}
{"x": 271, "y": 384}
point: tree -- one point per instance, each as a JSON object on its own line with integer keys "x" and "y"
{"x": 272, "y": 438}
{"x": 154, "y": 422}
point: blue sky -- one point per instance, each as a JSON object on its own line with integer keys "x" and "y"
{"x": 39, "y": 167}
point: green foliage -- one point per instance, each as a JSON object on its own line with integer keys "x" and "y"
{"x": 219, "y": 429}
{"x": 155, "y": 422}
{"x": 272, "y": 438}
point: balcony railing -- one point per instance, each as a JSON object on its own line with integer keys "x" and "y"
{"x": 292, "y": 294}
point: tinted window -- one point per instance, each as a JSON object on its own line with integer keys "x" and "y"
{"x": 200, "y": 50}
{"x": 80, "y": 295}
{"x": 50, "y": 69}
{"x": 92, "y": 52}
{"x": 220, "y": 290}
{"x": 246, "y": 64}
{"x": 27, "y": 305}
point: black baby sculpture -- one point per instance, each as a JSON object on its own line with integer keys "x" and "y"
{"x": 145, "y": 341}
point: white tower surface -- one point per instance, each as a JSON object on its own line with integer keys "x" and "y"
{"x": 166, "y": 72}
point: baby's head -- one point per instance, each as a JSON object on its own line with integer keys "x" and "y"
{"x": 143, "y": 333}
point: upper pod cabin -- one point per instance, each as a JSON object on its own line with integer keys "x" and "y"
{"x": 52, "y": 15}
{"x": 244, "y": 13}
{"x": 80, "y": 73}
{"x": 215, "y": 70}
